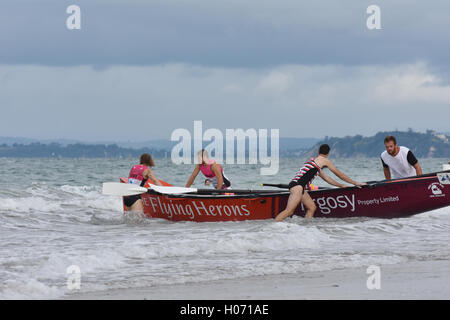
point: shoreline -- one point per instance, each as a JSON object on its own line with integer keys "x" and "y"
{"x": 409, "y": 280}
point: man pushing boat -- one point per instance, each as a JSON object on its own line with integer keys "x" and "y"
{"x": 304, "y": 177}
{"x": 398, "y": 159}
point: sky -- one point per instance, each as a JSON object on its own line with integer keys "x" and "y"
{"x": 137, "y": 70}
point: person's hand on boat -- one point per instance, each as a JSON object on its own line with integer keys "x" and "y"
{"x": 360, "y": 184}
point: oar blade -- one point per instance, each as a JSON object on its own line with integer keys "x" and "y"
{"x": 172, "y": 190}
{"x": 122, "y": 189}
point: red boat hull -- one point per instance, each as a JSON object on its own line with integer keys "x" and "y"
{"x": 388, "y": 199}
{"x": 397, "y": 198}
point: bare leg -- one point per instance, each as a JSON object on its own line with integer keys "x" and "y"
{"x": 137, "y": 206}
{"x": 309, "y": 204}
{"x": 294, "y": 199}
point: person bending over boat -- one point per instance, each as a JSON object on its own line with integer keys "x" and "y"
{"x": 303, "y": 178}
{"x": 211, "y": 170}
{"x": 400, "y": 160}
{"x": 139, "y": 174}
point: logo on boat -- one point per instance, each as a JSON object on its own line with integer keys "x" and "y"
{"x": 436, "y": 190}
{"x": 444, "y": 178}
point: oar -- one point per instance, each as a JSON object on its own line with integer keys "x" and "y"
{"x": 284, "y": 186}
{"x": 279, "y": 185}
{"x": 128, "y": 189}
{"x": 172, "y": 190}
{"x": 180, "y": 190}
{"x": 122, "y": 189}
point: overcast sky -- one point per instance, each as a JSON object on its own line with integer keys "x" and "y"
{"x": 139, "y": 69}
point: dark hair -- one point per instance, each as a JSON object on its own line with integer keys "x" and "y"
{"x": 390, "y": 138}
{"x": 324, "y": 149}
{"x": 147, "y": 160}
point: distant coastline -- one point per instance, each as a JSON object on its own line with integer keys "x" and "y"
{"x": 425, "y": 145}
{"x": 78, "y": 150}
{"x": 430, "y": 144}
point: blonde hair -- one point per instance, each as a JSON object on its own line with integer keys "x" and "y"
{"x": 203, "y": 153}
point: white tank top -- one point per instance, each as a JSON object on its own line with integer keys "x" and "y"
{"x": 399, "y": 164}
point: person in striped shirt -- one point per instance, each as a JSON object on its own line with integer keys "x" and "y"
{"x": 312, "y": 168}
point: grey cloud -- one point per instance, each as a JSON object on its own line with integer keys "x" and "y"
{"x": 230, "y": 33}
{"x": 141, "y": 103}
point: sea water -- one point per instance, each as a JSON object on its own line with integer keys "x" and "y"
{"x": 54, "y": 216}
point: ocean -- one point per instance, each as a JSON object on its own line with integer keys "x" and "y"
{"x": 54, "y": 216}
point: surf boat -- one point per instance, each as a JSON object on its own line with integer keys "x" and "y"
{"x": 392, "y": 198}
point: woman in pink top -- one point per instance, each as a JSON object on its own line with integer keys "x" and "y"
{"x": 139, "y": 174}
{"x": 211, "y": 170}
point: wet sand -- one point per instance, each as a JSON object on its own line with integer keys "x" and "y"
{"x": 411, "y": 280}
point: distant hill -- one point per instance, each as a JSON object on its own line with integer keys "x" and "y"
{"x": 21, "y": 140}
{"x": 423, "y": 145}
{"x": 429, "y": 144}
{"x": 55, "y": 150}
{"x": 26, "y": 147}
{"x": 297, "y": 143}
{"x": 165, "y": 144}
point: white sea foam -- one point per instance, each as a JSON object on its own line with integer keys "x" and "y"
{"x": 29, "y": 289}
{"x": 53, "y": 200}
{"x": 28, "y": 204}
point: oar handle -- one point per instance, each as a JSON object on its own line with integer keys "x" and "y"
{"x": 284, "y": 186}
{"x": 279, "y": 185}
{"x": 235, "y": 191}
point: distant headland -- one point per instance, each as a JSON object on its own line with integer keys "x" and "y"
{"x": 428, "y": 144}
{"x": 424, "y": 145}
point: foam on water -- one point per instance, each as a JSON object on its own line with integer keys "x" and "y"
{"x": 52, "y": 226}
{"x": 28, "y": 205}
{"x": 28, "y": 289}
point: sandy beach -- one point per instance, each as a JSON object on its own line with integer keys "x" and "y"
{"x": 411, "y": 280}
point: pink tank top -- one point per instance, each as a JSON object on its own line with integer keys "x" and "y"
{"x": 207, "y": 172}
{"x": 137, "y": 171}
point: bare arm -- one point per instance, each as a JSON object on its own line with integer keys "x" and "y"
{"x": 387, "y": 173}
{"x": 148, "y": 174}
{"x": 216, "y": 168}
{"x": 341, "y": 175}
{"x": 331, "y": 181}
{"x": 412, "y": 160}
{"x": 193, "y": 176}
{"x": 418, "y": 169}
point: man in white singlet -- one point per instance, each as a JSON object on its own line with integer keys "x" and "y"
{"x": 398, "y": 160}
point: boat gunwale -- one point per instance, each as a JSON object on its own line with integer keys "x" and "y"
{"x": 277, "y": 193}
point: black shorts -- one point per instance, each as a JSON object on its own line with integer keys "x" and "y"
{"x": 295, "y": 183}
{"x": 226, "y": 182}
{"x": 304, "y": 180}
{"x": 130, "y": 200}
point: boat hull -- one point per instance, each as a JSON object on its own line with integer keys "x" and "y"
{"x": 398, "y": 198}
{"x": 386, "y": 199}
